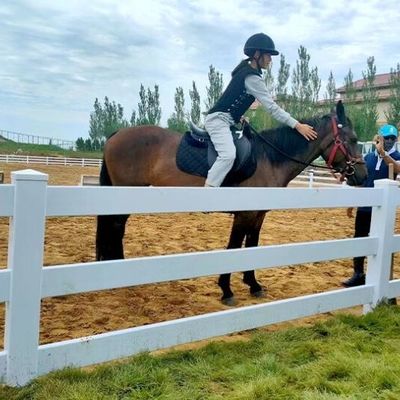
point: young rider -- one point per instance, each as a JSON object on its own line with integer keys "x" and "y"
{"x": 245, "y": 86}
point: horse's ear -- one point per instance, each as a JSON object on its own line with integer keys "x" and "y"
{"x": 340, "y": 113}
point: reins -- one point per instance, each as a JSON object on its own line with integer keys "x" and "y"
{"x": 280, "y": 151}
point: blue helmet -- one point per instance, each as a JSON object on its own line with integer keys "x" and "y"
{"x": 387, "y": 130}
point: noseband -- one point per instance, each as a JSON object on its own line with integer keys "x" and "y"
{"x": 338, "y": 144}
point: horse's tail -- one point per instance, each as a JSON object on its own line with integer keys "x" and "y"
{"x": 104, "y": 176}
{"x": 110, "y": 228}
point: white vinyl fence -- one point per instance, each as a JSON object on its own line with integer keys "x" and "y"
{"x": 28, "y": 200}
{"x": 26, "y": 159}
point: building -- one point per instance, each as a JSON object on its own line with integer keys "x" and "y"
{"x": 382, "y": 85}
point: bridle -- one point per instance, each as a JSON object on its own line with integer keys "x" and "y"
{"x": 351, "y": 161}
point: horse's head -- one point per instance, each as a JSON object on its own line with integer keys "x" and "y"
{"x": 340, "y": 150}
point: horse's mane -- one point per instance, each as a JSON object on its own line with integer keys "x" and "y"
{"x": 286, "y": 139}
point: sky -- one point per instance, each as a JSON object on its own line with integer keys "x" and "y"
{"x": 57, "y": 56}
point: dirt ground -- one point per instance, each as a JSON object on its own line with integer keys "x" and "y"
{"x": 71, "y": 240}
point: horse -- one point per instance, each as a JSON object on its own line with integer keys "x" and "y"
{"x": 146, "y": 156}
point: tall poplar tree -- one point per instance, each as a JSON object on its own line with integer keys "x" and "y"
{"x": 195, "y": 111}
{"x": 177, "y": 121}
{"x": 369, "y": 105}
{"x": 149, "y": 110}
{"x": 393, "y": 113}
{"x": 214, "y": 91}
{"x": 305, "y": 87}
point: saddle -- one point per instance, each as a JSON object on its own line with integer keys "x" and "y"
{"x": 196, "y": 154}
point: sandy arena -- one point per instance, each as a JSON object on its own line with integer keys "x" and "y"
{"x": 71, "y": 240}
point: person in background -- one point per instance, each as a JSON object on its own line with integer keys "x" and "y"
{"x": 378, "y": 168}
{"x": 245, "y": 86}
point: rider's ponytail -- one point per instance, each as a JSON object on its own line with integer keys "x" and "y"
{"x": 242, "y": 64}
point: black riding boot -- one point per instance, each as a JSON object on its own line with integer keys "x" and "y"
{"x": 358, "y": 277}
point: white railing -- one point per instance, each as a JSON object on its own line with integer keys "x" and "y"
{"x": 311, "y": 177}
{"x": 25, "y": 159}
{"x": 35, "y": 139}
{"x": 28, "y": 200}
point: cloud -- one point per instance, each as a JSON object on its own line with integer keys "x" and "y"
{"x": 57, "y": 57}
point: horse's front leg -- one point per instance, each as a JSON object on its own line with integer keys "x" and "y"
{"x": 224, "y": 281}
{"x": 252, "y": 238}
{"x": 109, "y": 237}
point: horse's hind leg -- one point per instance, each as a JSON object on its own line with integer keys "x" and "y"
{"x": 109, "y": 236}
{"x": 224, "y": 282}
{"x": 252, "y": 238}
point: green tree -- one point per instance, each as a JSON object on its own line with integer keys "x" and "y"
{"x": 142, "y": 107}
{"x": 96, "y": 121}
{"x": 369, "y": 105}
{"x": 149, "y": 110}
{"x": 80, "y": 144}
{"x": 260, "y": 119}
{"x": 88, "y": 145}
{"x": 393, "y": 113}
{"x": 106, "y": 119}
{"x": 353, "y": 109}
{"x": 330, "y": 94}
{"x": 177, "y": 121}
{"x": 281, "y": 87}
{"x": 305, "y": 87}
{"x": 96, "y": 145}
{"x": 133, "y": 118}
{"x": 269, "y": 80}
{"x": 214, "y": 91}
{"x": 195, "y": 111}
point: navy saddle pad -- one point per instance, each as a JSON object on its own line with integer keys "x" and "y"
{"x": 196, "y": 154}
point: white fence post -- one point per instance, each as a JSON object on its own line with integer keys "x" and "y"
{"x": 311, "y": 178}
{"x": 25, "y": 260}
{"x": 382, "y": 226}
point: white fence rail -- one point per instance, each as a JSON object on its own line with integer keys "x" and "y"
{"x": 35, "y": 139}
{"x": 28, "y": 200}
{"x": 25, "y": 159}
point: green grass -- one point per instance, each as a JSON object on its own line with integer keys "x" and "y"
{"x": 10, "y": 147}
{"x": 346, "y": 357}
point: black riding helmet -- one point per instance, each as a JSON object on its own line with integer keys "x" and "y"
{"x": 261, "y": 42}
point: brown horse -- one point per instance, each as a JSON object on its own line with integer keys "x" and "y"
{"x": 145, "y": 155}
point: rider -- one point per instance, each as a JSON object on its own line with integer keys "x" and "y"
{"x": 245, "y": 86}
{"x": 378, "y": 168}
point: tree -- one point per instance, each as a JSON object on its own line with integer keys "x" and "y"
{"x": 281, "y": 87}
{"x": 269, "y": 80}
{"x": 149, "y": 110}
{"x": 393, "y": 113}
{"x": 353, "y": 110}
{"x": 96, "y": 120}
{"x": 106, "y": 119}
{"x": 88, "y": 145}
{"x": 195, "y": 111}
{"x": 369, "y": 105}
{"x": 133, "y": 118}
{"x": 142, "y": 107}
{"x": 330, "y": 94}
{"x": 80, "y": 144}
{"x": 305, "y": 87}
{"x": 177, "y": 121}
{"x": 214, "y": 91}
{"x": 96, "y": 145}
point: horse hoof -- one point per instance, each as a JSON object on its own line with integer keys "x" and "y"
{"x": 259, "y": 294}
{"x": 229, "y": 301}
